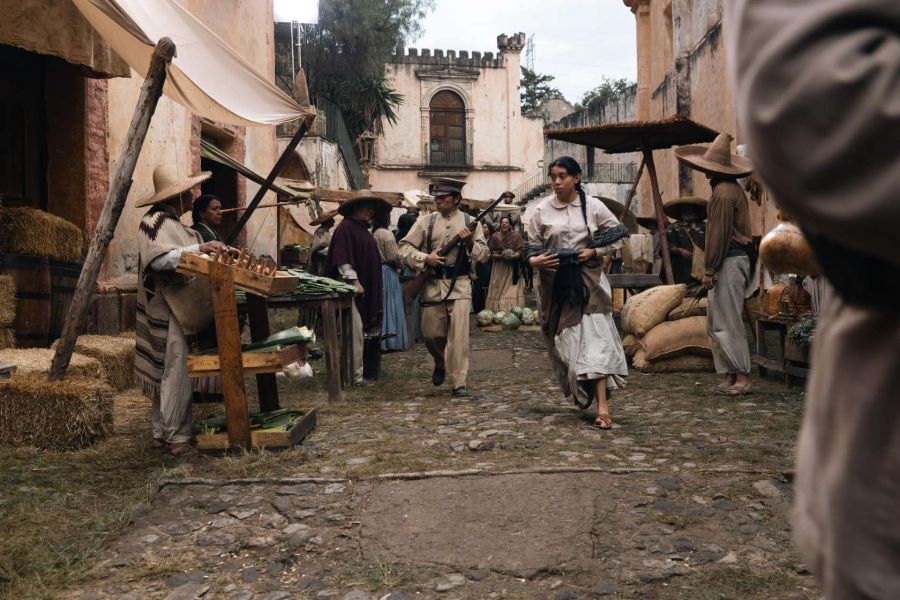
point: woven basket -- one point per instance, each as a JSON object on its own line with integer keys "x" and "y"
{"x": 788, "y": 300}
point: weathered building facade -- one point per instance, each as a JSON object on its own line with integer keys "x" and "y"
{"x": 461, "y": 117}
{"x": 67, "y": 101}
{"x": 682, "y": 70}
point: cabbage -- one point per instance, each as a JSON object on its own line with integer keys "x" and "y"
{"x": 498, "y": 316}
{"x": 510, "y": 322}
{"x": 485, "y": 317}
{"x": 517, "y": 310}
{"x": 527, "y": 316}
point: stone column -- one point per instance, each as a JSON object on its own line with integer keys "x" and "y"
{"x": 641, "y": 10}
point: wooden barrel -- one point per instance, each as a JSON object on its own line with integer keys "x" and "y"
{"x": 32, "y": 277}
{"x": 63, "y": 279}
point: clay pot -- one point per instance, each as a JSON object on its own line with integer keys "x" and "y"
{"x": 786, "y": 250}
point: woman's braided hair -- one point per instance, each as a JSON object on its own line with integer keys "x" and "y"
{"x": 572, "y": 167}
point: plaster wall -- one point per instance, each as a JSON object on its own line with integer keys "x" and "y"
{"x": 247, "y": 26}
{"x": 505, "y": 146}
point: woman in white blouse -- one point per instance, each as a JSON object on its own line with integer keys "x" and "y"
{"x": 568, "y": 235}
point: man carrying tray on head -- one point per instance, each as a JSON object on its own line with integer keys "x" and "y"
{"x": 170, "y": 306}
{"x": 447, "y": 295}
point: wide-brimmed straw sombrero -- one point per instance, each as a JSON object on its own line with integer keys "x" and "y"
{"x": 325, "y": 216}
{"x": 673, "y": 208}
{"x": 169, "y": 184}
{"x": 715, "y": 160}
{"x": 618, "y": 209}
{"x": 381, "y": 205}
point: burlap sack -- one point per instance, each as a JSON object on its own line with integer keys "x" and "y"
{"x": 648, "y": 309}
{"x": 672, "y": 338}
{"x": 683, "y": 363}
{"x": 631, "y": 345}
{"x": 690, "y": 307}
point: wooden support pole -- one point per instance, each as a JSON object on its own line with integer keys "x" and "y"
{"x": 231, "y": 363}
{"x": 267, "y": 184}
{"x": 332, "y": 350}
{"x": 112, "y": 208}
{"x": 660, "y": 216}
{"x": 266, "y": 384}
{"x": 633, "y": 189}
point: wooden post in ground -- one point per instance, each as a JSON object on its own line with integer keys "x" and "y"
{"x": 332, "y": 350}
{"x": 112, "y": 208}
{"x": 231, "y": 364}
{"x": 633, "y": 189}
{"x": 660, "y": 216}
{"x": 266, "y": 384}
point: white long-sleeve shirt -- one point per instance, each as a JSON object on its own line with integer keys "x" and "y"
{"x": 169, "y": 260}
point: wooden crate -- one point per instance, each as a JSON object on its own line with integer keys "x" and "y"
{"x": 264, "y": 285}
{"x": 204, "y": 365}
{"x": 278, "y": 439}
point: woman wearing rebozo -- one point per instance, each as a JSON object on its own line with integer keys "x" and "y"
{"x": 507, "y": 287}
{"x": 568, "y": 236}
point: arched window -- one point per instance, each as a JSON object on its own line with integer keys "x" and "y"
{"x": 448, "y": 130}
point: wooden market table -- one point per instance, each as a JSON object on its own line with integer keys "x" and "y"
{"x": 787, "y": 363}
{"x": 336, "y": 329}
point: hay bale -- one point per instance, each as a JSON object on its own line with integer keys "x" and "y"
{"x": 115, "y": 354}
{"x": 672, "y": 338}
{"x": 642, "y": 312}
{"x": 7, "y": 338}
{"x": 37, "y": 360}
{"x": 62, "y": 415}
{"x": 683, "y": 363}
{"x": 7, "y": 300}
{"x": 690, "y": 307}
{"x": 38, "y": 233}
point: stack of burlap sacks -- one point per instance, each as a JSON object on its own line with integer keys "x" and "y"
{"x": 666, "y": 331}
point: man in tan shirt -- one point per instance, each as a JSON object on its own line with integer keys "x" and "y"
{"x": 728, "y": 269}
{"x": 446, "y": 296}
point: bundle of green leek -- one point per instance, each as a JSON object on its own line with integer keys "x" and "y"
{"x": 268, "y": 422}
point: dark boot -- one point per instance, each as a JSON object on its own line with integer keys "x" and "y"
{"x": 437, "y": 377}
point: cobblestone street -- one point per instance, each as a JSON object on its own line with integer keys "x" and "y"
{"x": 403, "y": 492}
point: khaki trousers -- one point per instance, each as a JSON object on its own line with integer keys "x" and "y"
{"x": 445, "y": 327}
{"x": 170, "y": 414}
{"x": 358, "y": 340}
{"x": 725, "y": 317}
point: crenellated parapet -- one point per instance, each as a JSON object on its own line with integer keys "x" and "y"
{"x": 506, "y": 44}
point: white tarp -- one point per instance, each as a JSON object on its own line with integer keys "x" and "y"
{"x": 207, "y": 76}
{"x": 298, "y": 11}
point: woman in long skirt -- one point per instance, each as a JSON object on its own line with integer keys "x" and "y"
{"x": 507, "y": 287}
{"x": 568, "y": 235}
{"x": 483, "y": 272}
{"x": 394, "y": 314}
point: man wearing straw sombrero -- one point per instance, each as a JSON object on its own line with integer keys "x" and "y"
{"x": 170, "y": 306}
{"x": 687, "y": 239}
{"x": 728, "y": 267}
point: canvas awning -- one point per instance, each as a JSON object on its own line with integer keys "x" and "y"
{"x": 279, "y": 186}
{"x": 207, "y": 76}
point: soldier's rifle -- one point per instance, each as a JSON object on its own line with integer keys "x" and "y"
{"x": 414, "y": 285}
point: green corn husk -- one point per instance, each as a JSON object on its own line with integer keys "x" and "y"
{"x": 270, "y": 422}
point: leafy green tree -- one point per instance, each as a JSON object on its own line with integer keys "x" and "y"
{"x": 609, "y": 90}
{"x": 345, "y": 53}
{"x": 534, "y": 89}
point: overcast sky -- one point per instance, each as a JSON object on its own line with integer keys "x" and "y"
{"x": 576, "y": 41}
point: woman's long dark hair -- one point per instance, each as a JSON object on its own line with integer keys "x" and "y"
{"x": 572, "y": 167}
{"x": 381, "y": 220}
{"x": 199, "y": 207}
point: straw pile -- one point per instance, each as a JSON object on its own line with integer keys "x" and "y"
{"x": 114, "y": 353}
{"x": 7, "y": 300}
{"x": 7, "y": 338}
{"x": 62, "y": 415}
{"x": 38, "y": 233}
{"x": 37, "y": 360}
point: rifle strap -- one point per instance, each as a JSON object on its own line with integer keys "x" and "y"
{"x": 428, "y": 236}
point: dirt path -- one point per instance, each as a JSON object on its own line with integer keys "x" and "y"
{"x": 686, "y": 498}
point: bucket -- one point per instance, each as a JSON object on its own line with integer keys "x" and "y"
{"x": 32, "y": 277}
{"x": 63, "y": 279}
